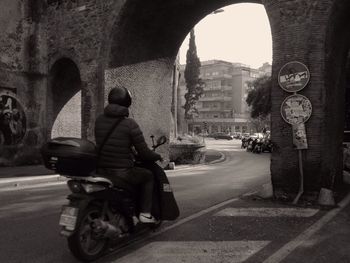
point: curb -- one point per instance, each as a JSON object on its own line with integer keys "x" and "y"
{"x": 13, "y": 183}
{"x": 21, "y": 182}
{"x": 221, "y": 159}
{"x": 191, "y": 166}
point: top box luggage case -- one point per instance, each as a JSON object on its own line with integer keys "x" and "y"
{"x": 70, "y": 156}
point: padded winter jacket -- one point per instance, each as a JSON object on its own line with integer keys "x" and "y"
{"x": 117, "y": 151}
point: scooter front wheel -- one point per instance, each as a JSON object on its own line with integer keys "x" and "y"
{"x": 83, "y": 244}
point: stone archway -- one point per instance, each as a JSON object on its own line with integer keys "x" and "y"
{"x": 143, "y": 46}
{"x": 145, "y": 39}
{"x": 64, "y": 85}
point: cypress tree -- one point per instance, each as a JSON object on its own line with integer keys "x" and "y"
{"x": 194, "y": 84}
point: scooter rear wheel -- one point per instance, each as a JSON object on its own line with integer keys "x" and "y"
{"x": 82, "y": 243}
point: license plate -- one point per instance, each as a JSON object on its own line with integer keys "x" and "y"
{"x": 69, "y": 217}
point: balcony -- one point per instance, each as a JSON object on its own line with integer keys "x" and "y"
{"x": 221, "y": 88}
{"x": 226, "y": 88}
{"x": 214, "y": 120}
{"x": 216, "y": 98}
{"x": 221, "y": 120}
{"x": 213, "y": 110}
{"x": 219, "y": 76}
{"x": 212, "y": 88}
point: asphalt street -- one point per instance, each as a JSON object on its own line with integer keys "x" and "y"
{"x": 29, "y": 217}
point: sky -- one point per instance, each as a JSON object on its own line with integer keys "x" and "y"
{"x": 239, "y": 34}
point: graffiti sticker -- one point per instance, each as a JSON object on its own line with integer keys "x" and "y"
{"x": 299, "y": 137}
{"x": 296, "y": 109}
{"x": 12, "y": 120}
{"x": 293, "y": 76}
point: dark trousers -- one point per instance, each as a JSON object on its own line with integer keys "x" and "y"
{"x": 136, "y": 176}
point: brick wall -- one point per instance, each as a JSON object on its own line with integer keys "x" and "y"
{"x": 77, "y": 30}
{"x": 151, "y": 86}
{"x": 299, "y": 33}
{"x": 22, "y": 70}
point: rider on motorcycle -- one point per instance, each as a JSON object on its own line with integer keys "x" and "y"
{"x": 116, "y": 160}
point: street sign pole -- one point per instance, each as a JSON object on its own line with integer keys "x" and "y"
{"x": 296, "y": 110}
{"x": 301, "y": 184}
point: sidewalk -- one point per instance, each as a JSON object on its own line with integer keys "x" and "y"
{"x": 251, "y": 230}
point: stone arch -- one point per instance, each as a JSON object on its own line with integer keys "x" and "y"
{"x": 148, "y": 30}
{"x": 64, "y": 83}
{"x": 143, "y": 45}
{"x": 337, "y": 69}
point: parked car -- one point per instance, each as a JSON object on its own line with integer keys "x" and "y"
{"x": 237, "y": 135}
{"x": 220, "y": 135}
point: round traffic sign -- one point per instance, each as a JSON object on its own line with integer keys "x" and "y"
{"x": 293, "y": 76}
{"x": 296, "y": 109}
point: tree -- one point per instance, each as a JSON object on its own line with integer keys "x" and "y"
{"x": 259, "y": 100}
{"x": 259, "y": 97}
{"x": 194, "y": 84}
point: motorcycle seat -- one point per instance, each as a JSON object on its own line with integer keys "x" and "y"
{"x": 93, "y": 179}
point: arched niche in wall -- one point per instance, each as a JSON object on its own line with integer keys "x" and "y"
{"x": 64, "y": 99}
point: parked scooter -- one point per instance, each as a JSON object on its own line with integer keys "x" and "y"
{"x": 244, "y": 143}
{"x": 267, "y": 146}
{"x": 100, "y": 215}
{"x": 250, "y": 144}
{"x": 257, "y": 146}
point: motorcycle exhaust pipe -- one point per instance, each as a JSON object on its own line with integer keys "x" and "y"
{"x": 104, "y": 229}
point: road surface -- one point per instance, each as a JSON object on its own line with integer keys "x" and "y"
{"x": 29, "y": 217}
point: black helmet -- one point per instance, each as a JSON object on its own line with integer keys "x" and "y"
{"x": 120, "y": 95}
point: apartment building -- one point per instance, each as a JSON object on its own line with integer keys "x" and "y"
{"x": 222, "y": 107}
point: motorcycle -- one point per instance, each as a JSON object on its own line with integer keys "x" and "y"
{"x": 99, "y": 216}
{"x": 244, "y": 143}
{"x": 258, "y": 146}
{"x": 250, "y": 145}
{"x": 267, "y": 146}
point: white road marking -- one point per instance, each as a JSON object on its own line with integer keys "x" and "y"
{"x": 268, "y": 212}
{"x": 180, "y": 222}
{"x": 288, "y": 248}
{"x": 195, "y": 252}
{"x": 194, "y": 216}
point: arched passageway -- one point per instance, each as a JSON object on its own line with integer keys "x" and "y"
{"x": 234, "y": 51}
{"x": 145, "y": 37}
{"x": 64, "y": 100}
{"x": 156, "y": 31}
{"x": 144, "y": 42}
